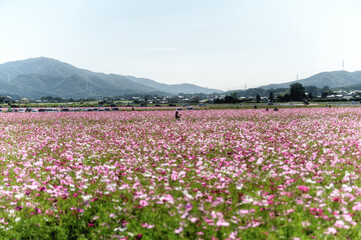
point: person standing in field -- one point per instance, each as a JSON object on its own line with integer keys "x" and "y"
{"x": 177, "y": 115}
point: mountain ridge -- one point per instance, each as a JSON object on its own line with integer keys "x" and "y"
{"x": 332, "y": 79}
{"x": 37, "y": 77}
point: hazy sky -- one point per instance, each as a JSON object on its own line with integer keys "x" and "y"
{"x": 223, "y": 44}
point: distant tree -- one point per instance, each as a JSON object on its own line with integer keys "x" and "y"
{"x": 258, "y": 98}
{"x": 326, "y": 91}
{"x": 195, "y": 99}
{"x": 297, "y": 92}
{"x": 218, "y": 100}
{"x": 312, "y": 89}
{"x": 234, "y": 94}
{"x": 310, "y": 96}
{"x": 147, "y": 97}
{"x": 53, "y": 99}
{"x": 174, "y": 99}
{"x": 58, "y": 99}
{"x": 271, "y": 97}
{"x": 284, "y": 98}
{"x": 325, "y": 88}
{"x": 230, "y": 99}
{"x": 254, "y": 92}
{"x": 136, "y": 101}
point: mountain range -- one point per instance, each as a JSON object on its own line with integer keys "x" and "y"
{"x": 38, "y": 77}
{"x": 334, "y": 79}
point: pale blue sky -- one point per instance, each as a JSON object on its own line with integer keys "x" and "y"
{"x": 221, "y": 44}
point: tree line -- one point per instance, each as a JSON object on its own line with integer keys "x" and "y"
{"x": 296, "y": 92}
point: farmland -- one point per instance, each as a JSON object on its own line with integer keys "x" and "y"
{"x": 221, "y": 174}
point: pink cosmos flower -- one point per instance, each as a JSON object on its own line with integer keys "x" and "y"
{"x": 303, "y": 188}
{"x": 233, "y": 235}
{"x": 193, "y": 219}
{"x": 179, "y": 230}
{"x": 146, "y": 225}
{"x": 357, "y": 207}
{"x": 341, "y": 224}
{"x": 331, "y": 230}
{"x": 222, "y": 223}
{"x": 143, "y": 203}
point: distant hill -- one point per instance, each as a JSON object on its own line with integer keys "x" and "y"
{"x": 37, "y": 77}
{"x": 332, "y": 79}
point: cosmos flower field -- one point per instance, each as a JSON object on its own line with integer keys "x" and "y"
{"x": 214, "y": 174}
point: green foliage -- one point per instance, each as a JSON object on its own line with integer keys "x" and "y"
{"x": 326, "y": 91}
{"x": 258, "y": 98}
{"x": 297, "y": 92}
{"x": 230, "y": 99}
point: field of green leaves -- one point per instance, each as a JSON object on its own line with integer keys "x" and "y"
{"x": 214, "y": 174}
